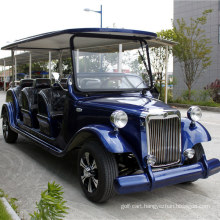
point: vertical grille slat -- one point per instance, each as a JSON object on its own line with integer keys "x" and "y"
{"x": 164, "y": 143}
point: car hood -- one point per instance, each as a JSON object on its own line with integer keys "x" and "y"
{"x": 130, "y": 104}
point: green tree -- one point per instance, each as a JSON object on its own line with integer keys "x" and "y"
{"x": 193, "y": 48}
{"x": 97, "y": 62}
{"x": 66, "y": 66}
{"x": 36, "y": 66}
{"x": 158, "y": 59}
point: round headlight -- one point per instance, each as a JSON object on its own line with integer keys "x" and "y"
{"x": 119, "y": 119}
{"x": 194, "y": 113}
{"x": 189, "y": 153}
{"x": 151, "y": 159}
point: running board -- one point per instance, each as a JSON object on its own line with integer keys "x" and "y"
{"x": 49, "y": 147}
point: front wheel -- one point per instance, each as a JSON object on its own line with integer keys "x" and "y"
{"x": 9, "y": 135}
{"x": 97, "y": 169}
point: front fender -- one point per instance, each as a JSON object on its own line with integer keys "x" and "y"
{"x": 110, "y": 139}
{"x": 192, "y": 135}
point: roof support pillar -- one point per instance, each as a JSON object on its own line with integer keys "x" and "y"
{"x": 30, "y": 65}
{"x": 15, "y": 70}
{"x": 77, "y": 60}
{"x": 120, "y": 59}
{"x": 49, "y": 64}
{"x": 60, "y": 63}
{"x": 166, "y": 76}
{"x": 4, "y": 77}
{"x": 2, "y": 71}
{"x": 12, "y": 65}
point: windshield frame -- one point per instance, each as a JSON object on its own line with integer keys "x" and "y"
{"x": 91, "y": 35}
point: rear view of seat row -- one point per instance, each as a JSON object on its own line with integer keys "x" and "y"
{"x": 51, "y": 110}
{"x": 23, "y": 83}
{"x": 40, "y": 103}
{"x": 29, "y": 101}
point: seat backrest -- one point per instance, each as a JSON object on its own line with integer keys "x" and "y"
{"x": 26, "y": 83}
{"x": 23, "y": 83}
{"x": 38, "y": 85}
{"x": 58, "y": 100}
{"x": 27, "y": 97}
{"x": 53, "y": 99}
{"x": 42, "y": 83}
{"x": 44, "y": 101}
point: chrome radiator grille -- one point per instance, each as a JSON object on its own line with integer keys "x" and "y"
{"x": 164, "y": 139}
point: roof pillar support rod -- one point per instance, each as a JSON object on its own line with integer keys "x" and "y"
{"x": 30, "y": 65}
{"x": 77, "y": 60}
{"x": 166, "y": 76}
{"x": 2, "y": 72}
{"x": 49, "y": 64}
{"x": 120, "y": 59}
{"x": 60, "y": 63}
{"x": 4, "y": 77}
{"x": 15, "y": 70}
{"x": 12, "y": 65}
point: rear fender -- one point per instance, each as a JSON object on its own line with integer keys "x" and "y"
{"x": 8, "y": 109}
{"x": 110, "y": 139}
{"x": 192, "y": 135}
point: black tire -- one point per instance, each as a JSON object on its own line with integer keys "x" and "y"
{"x": 97, "y": 169}
{"x": 9, "y": 135}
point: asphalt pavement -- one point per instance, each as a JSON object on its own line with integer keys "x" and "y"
{"x": 25, "y": 170}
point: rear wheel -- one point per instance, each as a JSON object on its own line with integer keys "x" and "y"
{"x": 97, "y": 169}
{"x": 9, "y": 135}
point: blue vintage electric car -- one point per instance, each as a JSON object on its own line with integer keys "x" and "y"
{"x": 127, "y": 140}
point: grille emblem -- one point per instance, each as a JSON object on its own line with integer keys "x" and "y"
{"x": 165, "y": 114}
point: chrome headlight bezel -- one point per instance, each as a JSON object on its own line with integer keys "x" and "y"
{"x": 194, "y": 113}
{"x": 119, "y": 119}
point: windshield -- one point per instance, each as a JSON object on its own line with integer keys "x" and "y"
{"x": 110, "y": 67}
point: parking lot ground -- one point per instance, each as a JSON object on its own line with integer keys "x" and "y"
{"x": 25, "y": 170}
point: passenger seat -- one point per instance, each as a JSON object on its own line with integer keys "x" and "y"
{"x": 29, "y": 101}
{"x": 50, "y": 110}
{"x": 23, "y": 83}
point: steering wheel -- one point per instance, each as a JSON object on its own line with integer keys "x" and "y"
{"x": 110, "y": 84}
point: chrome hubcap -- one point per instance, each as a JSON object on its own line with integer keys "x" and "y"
{"x": 89, "y": 172}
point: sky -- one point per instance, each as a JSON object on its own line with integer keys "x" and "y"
{"x": 24, "y": 18}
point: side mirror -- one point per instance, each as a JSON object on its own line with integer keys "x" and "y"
{"x": 56, "y": 76}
